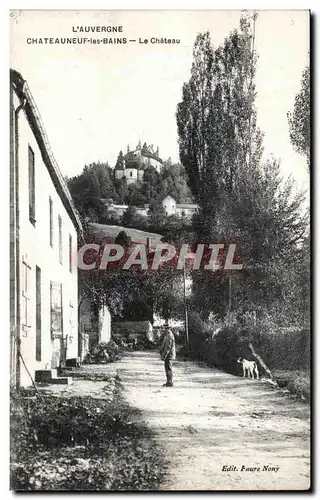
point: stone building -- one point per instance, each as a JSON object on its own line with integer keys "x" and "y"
{"x": 171, "y": 207}
{"x": 181, "y": 210}
{"x": 44, "y": 227}
{"x": 135, "y": 162}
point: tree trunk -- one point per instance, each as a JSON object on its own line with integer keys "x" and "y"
{"x": 258, "y": 358}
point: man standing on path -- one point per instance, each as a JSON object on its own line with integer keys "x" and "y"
{"x": 168, "y": 353}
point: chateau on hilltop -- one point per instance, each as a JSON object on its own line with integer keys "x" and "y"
{"x": 132, "y": 167}
{"x": 135, "y": 162}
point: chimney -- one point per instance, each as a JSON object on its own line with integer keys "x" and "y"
{"x": 148, "y": 245}
{"x": 157, "y": 152}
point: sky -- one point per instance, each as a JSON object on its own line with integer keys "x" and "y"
{"x": 96, "y": 99}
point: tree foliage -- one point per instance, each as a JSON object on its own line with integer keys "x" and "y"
{"x": 218, "y": 135}
{"x": 156, "y": 212}
{"x": 98, "y": 182}
{"x": 242, "y": 199}
{"x": 88, "y": 188}
{"x": 130, "y": 217}
{"x": 299, "y": 118}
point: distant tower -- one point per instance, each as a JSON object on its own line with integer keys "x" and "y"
{"x": 139, "y": 145}
{"x": 128, "y": 149}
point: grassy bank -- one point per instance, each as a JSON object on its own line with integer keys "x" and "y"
{"x": 297, "y": 382}
{"x": 285, "y": 351}
{"x": 81, "y": 443}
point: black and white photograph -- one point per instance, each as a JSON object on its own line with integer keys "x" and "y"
{"x": 159, "y": 206}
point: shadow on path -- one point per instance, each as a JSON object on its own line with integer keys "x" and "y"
{"x": 211, "y": 420}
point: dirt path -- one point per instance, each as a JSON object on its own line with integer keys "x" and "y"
{"x": 212, "y": 420}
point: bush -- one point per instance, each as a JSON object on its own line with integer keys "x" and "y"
{"x": 144, "y": 344}
{"x": 81, "y": 444}
{"x": 70, "y": 421}
{"x": 296, "y": 381}
{"x": 221, "y": 347}
{"x": 230, "y": 343}
{"x": 120, "y": 342}
{"x": 283, "y": 348}
{"x": 124, "y": 466}
{"x": 198, "y": 333}
{"x": 113, "y": 351}
{"x": 280, "y": 348}
{"x": 103, "y": 353}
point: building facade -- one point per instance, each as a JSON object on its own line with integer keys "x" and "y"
{"x": 95, "y": 324}
{"x": 171, "y": 207}
{"x": 44, "y": 228}
{"x": 181, "y": 210}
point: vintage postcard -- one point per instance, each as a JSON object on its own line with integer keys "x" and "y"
{"x": 160, "y": 250}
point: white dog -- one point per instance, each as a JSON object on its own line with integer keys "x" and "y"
{"x": 249, "y": 368}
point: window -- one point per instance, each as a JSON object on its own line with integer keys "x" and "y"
{"x": 32, "y": 195}
{"x": 60, "y": 238}
{"x": 25, "y": 291}
{"x": 56, "y": 309}
{"x": 51, "y": 221}
{"x": 70, "y": 253}
{"x": 38, "y": 313}
{"x": 130, "y": 174}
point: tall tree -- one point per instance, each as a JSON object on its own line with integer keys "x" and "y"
{"x": 121, "y": 188}
{"x": 120, "y": 161}
{"x": 193, "y": 118}
{"x": 174, "y": 183}
{"x": 241, "y": 200}
{"x": 157, "y": 214}
{"x": 135, "y": 196}
{"x": 218, "y": 134}
{"x": 86, "y": 193}
{"x": 299, "y": 118}
{"x": 105, "y": 177}
{"x": 151, "y": 186}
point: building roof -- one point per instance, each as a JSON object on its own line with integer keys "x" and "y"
{"x": 168, "y": 197}
{"x": 113, "y": 206}
{"x": 135, "y": 155}
{"x": 117, "y": 207}
{"x": 187, "y": 205}
{"x": 120, "y": 167}
{"x": 33, "y": 116}
{"x": 149, "y": 154}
